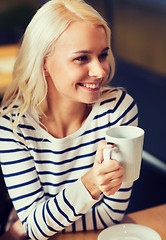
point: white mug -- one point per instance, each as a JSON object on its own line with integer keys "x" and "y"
{"x": 128, "y": 148}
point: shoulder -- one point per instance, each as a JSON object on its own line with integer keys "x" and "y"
{"x": 10, "y": 119}
{"x": 119, "y": 106}
{"x": 112, "y": 97}
{"x": 5, "y": 119}
{"x": 8, "y": 114}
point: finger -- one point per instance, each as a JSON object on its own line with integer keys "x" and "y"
{"x": 99, "y": 153}
{"x": 111, "y": 177}
{"x": 103, "y": 175}
{"x": 112, "y": 191}
{"x": 112, "y": 186}
{"x": 110, "y": 166}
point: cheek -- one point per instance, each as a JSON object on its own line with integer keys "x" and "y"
{"x": 77, "y": 73}
{"x": 106, "y": 68}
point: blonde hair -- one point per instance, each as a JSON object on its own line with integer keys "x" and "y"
{"x": 29, "y": 85}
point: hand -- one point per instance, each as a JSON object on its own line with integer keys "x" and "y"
{"x": 16, "y": 232}
{"x": 105, "y": 176}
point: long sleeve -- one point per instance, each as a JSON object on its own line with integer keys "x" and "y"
{"x": 41, "y": 216}
{"x": 43, "y": 178}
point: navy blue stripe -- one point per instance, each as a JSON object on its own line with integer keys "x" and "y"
{"x": 74, "y": 227}
{"x": 97, "y": 129}
{"x": 60, "y": 211}
{"x": 27, "y": 195}
{"x": 8, "y": 140}
{"x": 43, "y": 212}
{"x": 49, "y": 195}
{"x": 26, "y": 207}
{"x": 20, "y": 173}
{"x": 21, "y": 135}
{"x": 23, "y": 184}
{"x": 120, "y": 100}
{"x": 52, "y": 216}
{"x": 69, "y": 205}
{"x": 132, "y": 105}
{"x": 13, "y": 115}
{"x": 94, "y": 218}
{"x": 5, "y": 129}
{"x": 108, "y": 101}
{"x": 13, "y": 150}
{"x": 65, "y": 161}
{"x": 23, "y": 209}
{"x": 39, "y": 228}
{"x": 114, "y": 109}
{"x": 124, "y": 114}
{"x": 111, "y": 110}
{"x": 115, "y": 210}
{"x": 120, "y": 190}
{"x": 34, "y": 235}
{"x": 44, "y": 218}
{"x": 26, "y": 126}
{"x": 108, "y": 111}
{"x": 23, "y": 221}
{"x": 102, "y": 114}
{"x": 107, "y": 91}
{"x": 84, "y": 223}
{"x": 101, "y": 220}
{"x": 113, "y": 220}
{"x": 14, "y": 106}
{"x": 119, "y": 200}
{"x": 130, "y": 121}
{"x": 124, "y": 190}
{"x": 68, "y": 149}
{"x": 35, "y": 139}
{"x": 17, "y": 161}
{"x": 58, "y": 184}
{"x": 27, "y": 230}
{"x": 65, "y": 172}
{"x": 112, "y": 123}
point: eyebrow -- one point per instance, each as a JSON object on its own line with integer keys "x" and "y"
{"x": 85, "y": 51}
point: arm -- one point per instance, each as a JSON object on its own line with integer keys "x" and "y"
{"x": 111, "y": 209}
{"x": 41, "y": 217}
{"x": 72, "y": 206}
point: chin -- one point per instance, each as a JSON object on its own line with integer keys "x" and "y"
{"x": 92, "y": 101}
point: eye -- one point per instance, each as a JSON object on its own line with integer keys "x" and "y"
{"x": 103, "y": 56}
{"x": 81, "y": 59}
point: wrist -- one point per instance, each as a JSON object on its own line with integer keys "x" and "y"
{"x": 89, "y": 183}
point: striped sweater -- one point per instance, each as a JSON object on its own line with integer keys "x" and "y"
{"x": 43, "y": 179}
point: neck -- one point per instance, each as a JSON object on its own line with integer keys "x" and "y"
{"x": 64, "y": 117}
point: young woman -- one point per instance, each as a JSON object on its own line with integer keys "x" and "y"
{"x": 53, "y": 123}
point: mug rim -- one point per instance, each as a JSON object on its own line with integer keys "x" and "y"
{"x": 140, "y": 132}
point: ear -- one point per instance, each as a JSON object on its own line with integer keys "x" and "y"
{"x": 46, "y": 73}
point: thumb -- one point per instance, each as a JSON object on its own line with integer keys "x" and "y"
{"x": 99, "y": 154}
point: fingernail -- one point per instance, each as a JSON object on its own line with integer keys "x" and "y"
{"x": 110, "y": 143}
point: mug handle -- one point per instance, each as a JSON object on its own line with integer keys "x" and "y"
{"x": 107, "y": 152}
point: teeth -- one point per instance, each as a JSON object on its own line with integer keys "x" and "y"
{"x": 91, "y": 85}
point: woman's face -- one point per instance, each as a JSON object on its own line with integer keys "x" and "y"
{"x": 78, "y": 65}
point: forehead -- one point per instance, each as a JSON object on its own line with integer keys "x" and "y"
{"x": 83, "y": 35}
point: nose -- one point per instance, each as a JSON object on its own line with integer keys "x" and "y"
{"x": 96, "y": 69}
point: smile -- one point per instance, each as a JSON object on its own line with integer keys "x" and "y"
{"x": 90, "y": 85}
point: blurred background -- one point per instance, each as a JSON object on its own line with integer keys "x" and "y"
{"x": 139, "y": 45}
